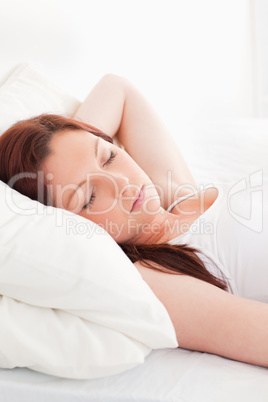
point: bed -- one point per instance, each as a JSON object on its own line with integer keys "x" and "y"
{"x": 215, "y": 150}
{"x": 166, "y": 376}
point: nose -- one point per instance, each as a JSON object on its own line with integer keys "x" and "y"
{"x": 122, "y": 183}
{"x": 117, "y": 184}
{"x": 124, "y": 189}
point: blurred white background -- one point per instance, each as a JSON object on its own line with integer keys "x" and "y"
{"x": 193, "y": 59}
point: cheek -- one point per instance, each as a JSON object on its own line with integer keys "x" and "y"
{"x": 105, "y": 215}
{"x": 114, "y": 222}
{"x": 121, "y": 227}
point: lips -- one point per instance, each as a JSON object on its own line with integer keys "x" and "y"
{"x": 139, "y": 200}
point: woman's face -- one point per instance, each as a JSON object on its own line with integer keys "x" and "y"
{"x": 101, "y": 182}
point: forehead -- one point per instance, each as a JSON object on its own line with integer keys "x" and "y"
{"x": 67, "y": 140}
{"x": 70, "y": 151}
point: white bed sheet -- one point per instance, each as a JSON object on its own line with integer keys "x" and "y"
{"x": 167, "y": 375}
{"x": 221, "y": 151}
{"x": 224, "y": 150}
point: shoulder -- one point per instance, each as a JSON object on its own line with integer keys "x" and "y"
{"x": 198, "y": 201}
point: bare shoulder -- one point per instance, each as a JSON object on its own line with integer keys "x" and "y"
{"x": 210, "y": 319}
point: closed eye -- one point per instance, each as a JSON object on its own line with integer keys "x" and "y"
{"x": 90, "y": 202}
{"x": 112, "y": 157}
{"x": 93, "y": 195}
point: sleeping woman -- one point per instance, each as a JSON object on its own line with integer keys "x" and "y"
{"x": 204, "y": 261}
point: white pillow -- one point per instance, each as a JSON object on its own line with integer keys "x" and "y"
{"x": 112, "y": 317}
{"x": 26, "y": 93}
{"x": 55, "y": 342}
{"x": 67, "y": 275}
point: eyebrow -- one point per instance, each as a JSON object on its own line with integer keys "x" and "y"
{"x": 97, "y": 146}
{"x": 84, "y": 181}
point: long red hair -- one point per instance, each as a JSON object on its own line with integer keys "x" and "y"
{"x": 24, "y": 148}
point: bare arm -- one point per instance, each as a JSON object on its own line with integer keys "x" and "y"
{"x": 208, "y": 319}
{"x": 118, "y": 108}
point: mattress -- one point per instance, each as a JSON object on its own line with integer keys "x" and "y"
{"x": 222, "y": 151}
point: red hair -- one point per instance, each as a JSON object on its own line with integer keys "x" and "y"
{"x": 23, "y": 149}
{"x": 25, "y": 146}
